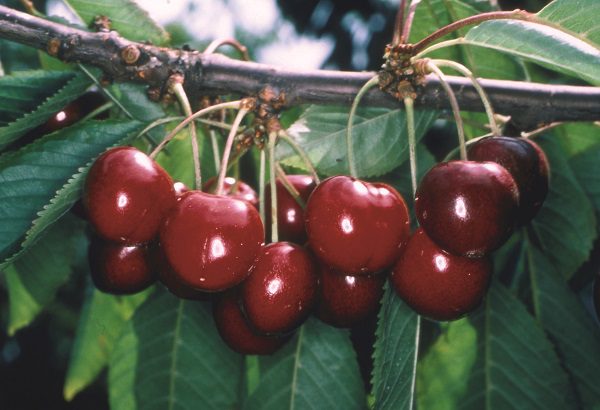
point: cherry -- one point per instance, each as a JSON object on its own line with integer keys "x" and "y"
{"x": 468, "y": 208}
{"x": 346, "y": 300}
{"x": 180, "y": 188}
{"x": 236, "y": 332}
{"x": 168, "y": 277}
{"x": 234, "y": 189}
{"x": 281, "y": 289}
{"x": 356, "y": 227}
{"x": 118, "y": 268}
{"x": 527, "y": 164}
{"x": 437, "y": 284}
{"x": 290, "y": 215}
{"x": 211, "y": 241}
{"x": 126, "y": 195}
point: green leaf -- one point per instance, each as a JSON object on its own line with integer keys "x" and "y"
{"x": 102, "y": 320}
{"x": 586, "y": 167}
{"x": 23, "y": 91}
{"x": 379, "y": 135}
{"x": 549, "y": 45}
{"x": 317, "y": 369}
{"x": 566, "y": 225}
{"x": 433, "y": 14}
{"x": 516, "y": 365}
{"x": 576, "y": 137}
{"x": 571, "y": 328}
{"x": 31, "y": 177}
{"x": 396, "y": 342}
{"x": 126, "y": 17}
{"x": 577, "y": 17}
{"x": 33, "y": 281}
{"x": 443, "y": 373}
{"x": 134, "y": 98}
{"x": 171, "y": 356}
{"x": 73, "y": 89}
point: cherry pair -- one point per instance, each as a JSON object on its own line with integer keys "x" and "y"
{"x": 466, "y": 210}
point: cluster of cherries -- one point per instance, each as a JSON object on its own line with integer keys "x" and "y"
{"x": 467, "y": 209}
{"x": 335, "y": 253}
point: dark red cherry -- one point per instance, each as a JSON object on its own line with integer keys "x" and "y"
{"x": 346, "y": 300}
{"x": 437, "y": 284}
{"x": 211, "y": 241}
{"x": 118, "y": 268}
{"x": 290, "y": 215}
{"x": 281, "y": 289}
{"x": 527, "y": 164}
{"x": 180, "y": 188}
{"x": 236, "y": 332}
{"x": 468, "y": 208}
{"x": 168, "y": 277}
{"x": 127, "y": 195}
{"x": 234, "y": 189}
{"x": 356, "y": 227}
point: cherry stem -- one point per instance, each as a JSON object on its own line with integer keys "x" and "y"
{"x": 212, "y": 47}
{"x": 349, "y": 143}
{"x": 227, "y": 150}
{"x": 408, "y": 22}
{"x": 455, "y": 108}
{"x": 399, "y": 23}
{"x": 415, "y": 360}
{"x": 177, "y": 89}
{"x": 412, "y": 143}
{"x": 540, "y": 130}
{"x": 476, "y": 19}
{"x": 215, "y": 148}
{"x": 301, "y": 153}
{"x": 104, "y": 91}
{"x": 182, "y": 124}
{"x": 482, "y": 94}
{"x": 289, "y": 187}
{"x": 272, "y": 178}
{"x": 438, "y": 46}
{"x": 216, "y": 124}
{"x": 261, "y": 183}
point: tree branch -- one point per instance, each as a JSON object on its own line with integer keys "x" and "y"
{"x": 530, "y": 104}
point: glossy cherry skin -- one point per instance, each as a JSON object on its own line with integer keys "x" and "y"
{"x": 168, "y": 277}
{"x": 211, "y": 241}
{"x": 437, "y": 284}
{"x": 236, "y": 332}
{"x": 290, "y": 215}
{"x": 180, "y": 189}
{"x": 468, "y": 208}
{"x": 527, "y": 164}
{"x": 281, "y": 289}
{"x": 118, "y": 268}
{"x": 356, "y": 227}
{"x": 234, "y": 189}
{"x": 127, "y": 195}
{"x": 346, "y": 300}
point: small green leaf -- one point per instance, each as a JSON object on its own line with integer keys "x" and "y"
{"x": 394, "y": 370}
{"x": 33, "y": 281}
{"x": 433, "y": 14}
{"x": 586, "y": 167}
{"x": 126, "y": 17}
{"x": 22, "y": 92}
{"x": 379, "y": 135}
{"x": 571, "y": 328}
{"x": 31, "y": 177}
{"x": 443, "y": 373}
{"x": 516, "y": 364}
{"x": 170, "y": 356}
{"x": 317, "y": 369}
{"x": 549, "y": 45}
{"x": 566, "y": 225}
{"x": 73, "y": 89}
{"x": 102, "y": 320}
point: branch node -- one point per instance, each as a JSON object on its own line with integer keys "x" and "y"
{"x": 130, "y": 54}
